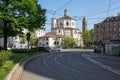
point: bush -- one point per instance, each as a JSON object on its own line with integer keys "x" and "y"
{"x": 4, "y": 56}
{"x": 39, "y": 49}
{"x": 19, "y": 50}
{"x": 32, "y": 50}
{"x": 1, "y": 48}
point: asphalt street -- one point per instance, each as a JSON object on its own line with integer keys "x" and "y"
{"x": 72, "y": 65}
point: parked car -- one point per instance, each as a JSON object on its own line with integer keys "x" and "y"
{"x": 97, "y": 50}
{"x": 56, "y": 49}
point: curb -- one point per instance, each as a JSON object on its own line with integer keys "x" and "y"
{"x": 16, "y": 72}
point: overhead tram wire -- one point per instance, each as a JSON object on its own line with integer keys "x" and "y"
{"x": 110, "y": 2}
{"x": 61, "y": 7}
{"x": 103, "y": 11}
{"x": 108, "y": 7}
{"x": 96, "y": 11}
{"x": 54, "y": 12}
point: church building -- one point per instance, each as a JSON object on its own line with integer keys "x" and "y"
{"x": 61, "y": 27}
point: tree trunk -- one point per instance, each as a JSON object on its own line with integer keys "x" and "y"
{"x": 6, "y": 24}
{"x": 5, "y": 33}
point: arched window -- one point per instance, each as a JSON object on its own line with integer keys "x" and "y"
{"x": 59, "y": 31}
{"x": 67, "y": 23}
{"x": 61, "y": 24}
{"x": 46, "y": 43}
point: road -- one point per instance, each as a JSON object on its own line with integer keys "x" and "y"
{"x": 72, "y": 65}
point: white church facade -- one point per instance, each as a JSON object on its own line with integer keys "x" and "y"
{"x": 61, "y": 27}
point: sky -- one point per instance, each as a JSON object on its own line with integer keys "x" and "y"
{"x": 95, "y": 11}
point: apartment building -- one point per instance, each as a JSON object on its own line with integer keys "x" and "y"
{"x": 107, "y": 35}
{"x": 107, "y": 29}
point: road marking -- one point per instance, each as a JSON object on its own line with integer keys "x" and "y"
{"x": 102, "y": 65}
{"x": 78, "y": 61}
{"x": 44, "y": 61}
{"x": 76, "y": 70}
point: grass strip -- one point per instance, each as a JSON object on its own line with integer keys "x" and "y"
{"x": 15, "y": 58}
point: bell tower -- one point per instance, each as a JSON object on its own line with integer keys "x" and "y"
{"x": 84, "y": 24}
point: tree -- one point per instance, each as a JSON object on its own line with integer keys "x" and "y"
{"x": 34, "y": 39}
{"x": 69, "y": 42}
{"x": 22, "y": 38}
{"x": 88, "y": 37}
{"x": 19, "y": 14}
{"x": 91, "y": 37}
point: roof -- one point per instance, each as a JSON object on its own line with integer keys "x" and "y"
{"x": 111, "y": 19}
{"x": 66, "y": 17}
{"x": 52, "y": 35}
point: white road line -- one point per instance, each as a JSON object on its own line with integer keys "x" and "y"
{"x": 102, "y": 65}
{"x": 76, "y": 71}
{"x": 77, "y": 61}
{"x": 45, "y": 63}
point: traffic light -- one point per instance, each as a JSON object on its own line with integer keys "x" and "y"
{"x": 28, "y": 36}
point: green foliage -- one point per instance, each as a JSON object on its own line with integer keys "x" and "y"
{"x": 41, "y": 49}
{"x": 1, "y": 48}
{"x": 69, "y": 42}
{"x": 88, "y": 38}
{"x": 38, "y": 49}
{"x": 4, "y": 56}
{"x": 15, "y": 58}
{"x": 23, "y": 38}
{"x": 92, "y": 36}
{"x": 32, "y": 50}
{"x": 34, "y": 39}
{"x": 5, "y": 68}
{"x": 19, "y": 50}
{"x": 15, "y": 15}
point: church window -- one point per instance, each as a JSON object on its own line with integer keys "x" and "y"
{"x": 57, "y": 43}
{"x": 59, "y": 31}
{"x": 73, "y": 23}
{"x": 46, "y": 43}
{"x": 46, "y": 38}
{"x": 61, "y": 23}
{"x": 54, "y": 43}
{"x": 67, "y": 23}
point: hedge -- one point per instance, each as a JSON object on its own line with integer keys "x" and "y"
{"x": 4, "y": 56}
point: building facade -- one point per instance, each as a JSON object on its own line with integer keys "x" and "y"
{"x": 51, "y": 40}
{"x": 15, "y": 42}
{"x": 107, "y": 29}
{"x": 65, "y": 26}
